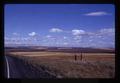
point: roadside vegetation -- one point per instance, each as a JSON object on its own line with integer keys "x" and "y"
{"x": 64, "y": 65}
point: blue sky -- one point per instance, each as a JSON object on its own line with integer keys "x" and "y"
{"x": 81, "y": 25}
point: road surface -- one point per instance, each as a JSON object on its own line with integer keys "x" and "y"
{"x": 16, "y": 68}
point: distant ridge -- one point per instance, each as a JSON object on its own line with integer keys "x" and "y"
{"x": 61, "y": 49}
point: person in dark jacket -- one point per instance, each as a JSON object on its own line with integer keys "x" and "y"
{"x": 75, "y": 57}
{"x": 81, "y": 56}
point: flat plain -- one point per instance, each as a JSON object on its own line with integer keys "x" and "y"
{"x": 64, "y": 65}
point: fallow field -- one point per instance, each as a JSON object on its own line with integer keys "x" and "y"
{"x": 64, "y": 65}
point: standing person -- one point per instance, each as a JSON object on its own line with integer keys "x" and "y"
{"x": 81, "y": 55}
{"x": 75, "y": 57}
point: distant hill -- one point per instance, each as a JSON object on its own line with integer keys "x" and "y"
{"x": 61, "y": 49}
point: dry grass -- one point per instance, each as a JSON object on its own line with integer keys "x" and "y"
{"x": 63, "y": 65}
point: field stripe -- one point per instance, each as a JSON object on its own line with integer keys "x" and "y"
{"x": 8, "y": 73}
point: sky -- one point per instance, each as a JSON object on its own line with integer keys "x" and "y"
{"x": 68, "y": 25}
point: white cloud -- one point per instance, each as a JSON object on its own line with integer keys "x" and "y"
{"x": 90, "y": 33}
{"x": 65, "y": 43}
{"x": 16, "y": 34}
{"x": 91, "y": 36}
{"x": 90, "y": 40}
{"x": 107, "y": 30}
{"x": 32, "y": 34}
{"x": 25, "y": 39}
{"x": 56, "y": 30}
{"x": 101, "y": 33}
{"x": 64, "y": 37}
{"x": 77, "y": 37}
{"x": 6, "y": 38}
{"x": 57, "y": 43}
{"x": 78, "y": 32}
{"x": 100, "y": 13}
{"x": 99, "y": 36}
{"x": 48, "y": 36}
{"x": 102, "y": 37}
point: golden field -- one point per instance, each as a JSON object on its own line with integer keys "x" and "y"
{"x": 64, "y": 65}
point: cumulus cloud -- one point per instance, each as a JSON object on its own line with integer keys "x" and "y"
{"x": 100, "y": 13}
{"x": 107, "y": 31}
{"x": 64, "y": 37}
{"x": 56, "y": 30}
{"x": 32, "y": 34}
{"x": 24, "y": 39}
{"x": 16, "y": 39}
{"x": 90, "y": 40}
{"x": 16, "y": 34}
{"x": 102, "y": 37}
{"x": 65, "y": 43}
{"x": 78, "y": 32}
{"x": 100, "y": 33}
{"x": 48, "y": 36}
{"x": 77, "y": 37}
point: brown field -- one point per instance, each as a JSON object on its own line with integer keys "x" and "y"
{"x": 63, "y": 65}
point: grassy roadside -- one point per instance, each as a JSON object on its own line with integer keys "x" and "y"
{"x": 66, "y": 67}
